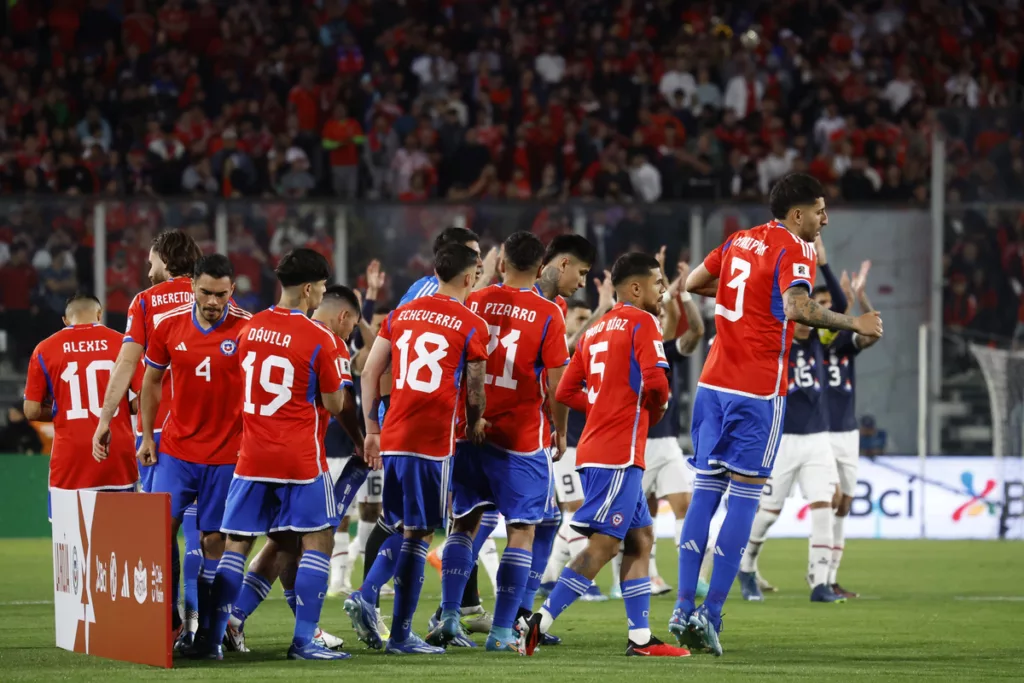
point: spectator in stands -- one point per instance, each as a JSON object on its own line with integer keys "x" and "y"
{"x": 342, "y": 136}
{"x": 18, "y": 284}
{"x": 961, "y": 306}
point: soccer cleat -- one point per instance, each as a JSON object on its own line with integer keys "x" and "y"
{"x": 364, "y": 620}
{"x": 616, "y": 592}
{"x": 413, "y": 645}
{"x": 202, "y": 648}
{"x": 434, "y": 559}
{"x": 184, "y": 642}
{"x": 387, "y": 591}
{"x": 550, "y": 639}
{"x": 545, "y": 589}
{"x": 659, "y": 586}
{"x": 679, "y": 626}
{"x": 749, "y": 588}
{"x": 530, "y": 635}
{"x": 655, "y": 648}
{"x": 704, "y": 631}
{"x": 763, "y": 584}
{"x": 447, "y": 632}
{"x": 702, "y": 588}
{"x": 823, "y": 593}
{"x": 327, "y": 640}
{"x": 338, "y": 591}
{"x": 478, "y": 620}
{"x": 842, "y": 592}
{"x": 234, "y": 638}
{"x": 496, "y": 645}
{"x": 315, "y": 651}
{"x": 382, "y": 627}
{"x": 594, "y": 594}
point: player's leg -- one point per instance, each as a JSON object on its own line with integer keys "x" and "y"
{"x": 339, "y": 555}
{"x": 214, "y": 483}
{"x": 773, "y": 497}
{"x": 368, "y": 514}
{"x": 568, "y": 543}
{"x": 178, "y": 479}
{"x": 636, "y": 589}
{"x": 192, "y": 566}
{"x": 817, "y": 478}
{"x": 487, "y": 556}
{"x": 846, "y": 446}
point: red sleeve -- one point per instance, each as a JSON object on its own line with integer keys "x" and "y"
{"x": 135, "y": 331}
{"x": 37, "y": 385}
{"x": 797, "y": 267}
{"x": 157, "y": 354}
{"x": 476, "y": 343}
{"x": 570, "y": 390}
{"x": 385, "y": 329}
{"x": 713, "y": 261}
{"x": 326, "y": 369}
{"x": 555, "y": 351}
{"x": 649, "y": 350}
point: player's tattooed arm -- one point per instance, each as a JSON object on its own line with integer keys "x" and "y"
{"x": 702, "y": 282}
{"x": 605, "y": 301}
{"x": 476, "y": 400}
{"x": 800, "y": 307}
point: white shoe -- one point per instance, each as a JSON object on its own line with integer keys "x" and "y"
{"x": 382, "y": 629}
{"x": 327, "y": 640}
{"x": 659, "y": 587}
{"x": 763, "y": 584}
{"x": 338, "y": 590}
{"x": 386, "y": 589}
{"x": 478, "y": 620}
{"x": 234, "y": 637}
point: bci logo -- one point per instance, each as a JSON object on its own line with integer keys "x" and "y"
{"x": 887, "y": 502}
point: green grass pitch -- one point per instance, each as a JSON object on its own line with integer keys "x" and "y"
{"x": 950, "y": 611}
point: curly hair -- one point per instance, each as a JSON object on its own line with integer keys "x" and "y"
{"x": 178, "y": 251}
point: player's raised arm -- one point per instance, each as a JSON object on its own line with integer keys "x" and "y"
{"x": 687, "y": 342}
{"x": 835, "y": 288}
{"x": 800, "y": 307}
{"x": 859, "y": 286}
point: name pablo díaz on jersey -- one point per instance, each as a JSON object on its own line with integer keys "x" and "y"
{"x": 85, "y": 346}
{"x": 173, "y": 298}
{"x": 431, "y": 317}
{"x": 260, "y": 334}
{"x": 613, "y": 325}
{"x": 508, "y": 310}
{"x": 751, "y": 244}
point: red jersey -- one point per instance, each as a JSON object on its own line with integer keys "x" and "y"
{"x": 205, "y": 421}
{"x": 147, "y": 304}
{"x": 751, "y": 349}
{"x": 73, "y": 366}
{"x": 564, "y": 308}
{"x": 616, "y": 376}
{"x": 526, "y": 337}
{"x": 344, "y": 362}
{"x": 432, "y": 338}
{"x": 288, "y": 361}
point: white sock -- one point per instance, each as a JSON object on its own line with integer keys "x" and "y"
{"x": 339, "y": 559}
{"x": 559, "y": 550}
{"x": 709, "y": 557}
{"x": 763, "y": 521}
{"x": 640, "y": 636}
{"x": 652, "y": 569}
{"x": 545, "y": 620}
{"x": 358, "y": 548}
{"x": 838, "y": 541}
{"x": 819, "y": 555}
{"x": 617, "y": 568}
{"x": 490, "y": 559}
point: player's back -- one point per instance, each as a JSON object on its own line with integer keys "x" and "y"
{"x": 755, "y": 267}
{"x": 526, "y": 337}
{"x": 840, "y": 358}
{"x": 614, "y": 352}
{"x": 806, "y": 404}
{"x": 74, "y": 366}
{"x": 287, "y": 361}
{"x": 431, "y": 340}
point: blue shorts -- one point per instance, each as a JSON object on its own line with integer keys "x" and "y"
{"x": 416, "y": 492}
{"x": 613, "y": 502}
{"x": 735, "y": 433}
{"x": 190, "y": 482}
{"x": 348, "y": 482}
{"x": 146, "y": 471}
{"x": 552, "y": 515}
{"x": 255, "y": 508}
{"x": 488, "y": 477}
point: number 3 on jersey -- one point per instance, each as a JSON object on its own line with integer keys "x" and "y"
{"x": 740, "y": 270}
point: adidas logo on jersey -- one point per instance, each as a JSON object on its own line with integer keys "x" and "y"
{"x": 718, "y": 551}
{"x": 691, "y": 545}
{"x": 180, "y": 347}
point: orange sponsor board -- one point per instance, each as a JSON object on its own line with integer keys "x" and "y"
{"x": 111, "y": 574}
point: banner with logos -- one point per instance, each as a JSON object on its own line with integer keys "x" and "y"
{"x": 111, "y": 575}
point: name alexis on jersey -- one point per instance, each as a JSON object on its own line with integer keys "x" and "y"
{"x": 261, "y": 334}
{"x": 613, "y": 325}
{"x": 508, "y": 310}
{"x": 173, "y": 298}
{"x": 85, "y": 346}
{"x": 432, "y": 317}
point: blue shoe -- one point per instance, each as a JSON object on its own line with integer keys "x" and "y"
{"x": 550, "y": 639}
{"x": 824, "y": 593}
{"x": 679, "y": 626}
{"x": 749, "y": 588}
{"x": 314, "y": 650}
{"x": 413, "y": 645}
{"x": 594, "y": 594}
{"x": 364, "y": 620}
{"x": 702, "y": 588}
{"x": 494, "y": 644}
{"x": 447, "y": 632}
{"x": 546, "y": 588}
{"x": 705, "y": 631}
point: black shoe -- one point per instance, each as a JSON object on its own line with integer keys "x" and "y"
{"x": 655, "y": 648}
{"x": 530, "y": 635}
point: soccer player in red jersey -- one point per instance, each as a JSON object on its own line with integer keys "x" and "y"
{"x": 617, "y": 376}
{"x": 281, "y": 485}
{"x": 199, "y": 446}
{"x": 435, "y": 345}
{"x": 172, "y": 259}
{"x": 762, "y": 280}
{"x": 510, "y": 472}
{"x": 73, "y": 368}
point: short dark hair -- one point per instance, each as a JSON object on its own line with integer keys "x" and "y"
{"x": 573, "y": 245}
{"x": 523, "y": 251}
{"x": 633, "y": 264}
{"x": 344, "y": 294}
{"x": 214, "y": 265}
{"x": 821, "y": 289}
{"x": 178, "y": 251}
{"x": 453, "y": 235}
{"x": 301, "y": 266}
{"x": 452, "y": 260}
{"x": 79, "y": 297}
{"x": 795, "y": 189}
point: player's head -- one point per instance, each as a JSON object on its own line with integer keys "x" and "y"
{"x": 173, "y": 254}
{"x": 638, "y": 280}
{"x": 568, "y": 259}
{"x": 379, "y": 316}
{"x": 577, "y": 316}
{"x": 454, "y": 235}
{"x": 798, "y": 200}
{"x": 213, "y": 283}
{"x": 339, "y": 310}
{"x": 82, "y": 309}
{"x": 303, "y": 276}
{"x": 523, "y": 253}
{"x": 455, "y": 266}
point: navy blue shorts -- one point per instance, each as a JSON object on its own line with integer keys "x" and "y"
{"x": 488, "y": 477}
{"x": 613, "y": 502}
{"x": 416, "y": 492}
{"x": 146, "y": 472}
{"x": 190, "y": 482}
{"x": 735, "y": 433}
{"x": 255, "y": 508}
